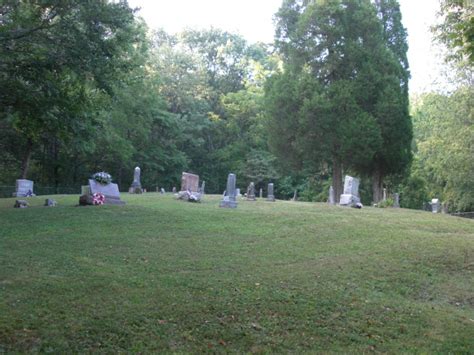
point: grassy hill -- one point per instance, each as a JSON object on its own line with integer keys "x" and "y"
{"x": 165, "y": 275}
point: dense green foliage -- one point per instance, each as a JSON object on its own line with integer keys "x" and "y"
{"x": 342, "y": 99}
{"x": 443, "y": 165}
{"x": 86, "y": 87}
{"x": 457, "y": 29}
{"x": 160, "y": 275}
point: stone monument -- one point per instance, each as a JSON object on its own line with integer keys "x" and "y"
{"x": 295, "y": 196}
{"x": 49, "y": 202}
{"x": 396, "y": 200}
{"x": 136, "y": 187}
{"x": 110, "y": 192}
{"x": 251, "y": 192}
{"x": 202, "y": 188}
{"x": 350, "y": 197}
{"x": 23, "y": 188}
{"x": 261, "y": 193}
{"x": 435, "y": 205}
{"x": 270, "y": 195}
{"x": 332, "y": 196}
{"x": 229, "y": 200}
{"x": 189, "y": 182}
{"x": 21, "y": 204}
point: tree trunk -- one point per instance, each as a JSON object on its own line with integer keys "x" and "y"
{"x": 337, "y": 179}
{"x": 27, "y": 158}
{"x": 377, "y": 187}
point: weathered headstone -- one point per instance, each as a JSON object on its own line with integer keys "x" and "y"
{"x": 23, "y": 188}
{"x": 49, "y": 202}
{"x": 162, "y": 191}
{"x": 350, "y": 197}
{"x": 295, "y": 196}
{"x": 384, "y": 198}
{"x": 21, "y": 204}
{"x": 435, "y": 205}
{"x": 251, "y": 192}
{"x": 332, "y": 196}
{"x": 189, "y": 182}
{"x": 229, "y": 199}
{"x": 396, "y": 200}
{"x": 110, "y": 191}
{"x": 237, "y": 192}
{"x": 174, "y": 189}
{"x": 260, "y": 193}
{"x": 444, "y": 207}
{"x": 270, "y": 195}
{"x": 136, "y": 187}
{"x": 202, "y": 189}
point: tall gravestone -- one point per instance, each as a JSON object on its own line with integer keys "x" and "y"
{"x": 251, "y": 192}
{"x": 229, "y": 199}
{"x": 261, "y": 193}
{"x": 332, "y": 196}
{"x": 23, "y": 188}
{"x": 295, "y": 196}
{"x": 435, "y": 205}
{"x": 136, "y": 187}
{"x": 350, "y": 197}
{"x": 270, "y": 195}
{"x": 396, "y": 200}
{"x": 189, "y": 182}
{"x": 203, "y": 188}
{"x": 384, "y": 196}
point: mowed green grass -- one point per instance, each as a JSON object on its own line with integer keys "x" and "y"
{"x": 170, "y": 276}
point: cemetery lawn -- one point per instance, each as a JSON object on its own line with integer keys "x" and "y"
{"x": 170, "y": 276}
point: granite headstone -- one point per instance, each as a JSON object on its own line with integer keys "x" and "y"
{"x": 23, "y": 188}
{"x": 229, "y": 198}
{"x": 270, "y": 194}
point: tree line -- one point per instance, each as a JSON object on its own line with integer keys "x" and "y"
{"x": 86, "y": 86}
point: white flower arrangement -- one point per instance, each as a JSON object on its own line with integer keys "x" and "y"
{"x": 102, "y": 178}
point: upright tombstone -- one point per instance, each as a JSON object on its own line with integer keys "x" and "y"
{"x": 350, "y": 197}
{"x": 136, "y": 187}
{"x": 332, "y": 196}
{"x": 295, "y": 196}
{"x": 203, "y": 187}
{"x": 23, "y": 188}
{"x": 384, "y": 194}
{"x": 174, "y": 189}
{"x": 251, "y": 192}
{"x": 110, "y": 192}
{"x": 396, "y": 200}
{"x": 270, "y": 195}
{"x": 435, "y": 205}
{"x": 229, "y": 198}
{"x": 261, "y": 193}
{"x": 189, "y": 182}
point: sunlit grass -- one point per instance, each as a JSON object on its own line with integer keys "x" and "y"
{"x": 166, "y": 275}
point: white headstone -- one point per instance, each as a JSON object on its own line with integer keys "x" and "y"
{"x": 350, "y": 197}
{"x": 23, "y": 188}
{"x": 435, "y": 205}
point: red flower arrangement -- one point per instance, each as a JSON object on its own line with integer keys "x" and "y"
{"x": 98, "y": 199}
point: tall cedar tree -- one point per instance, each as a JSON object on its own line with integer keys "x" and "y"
{"x": 339, "y": 99}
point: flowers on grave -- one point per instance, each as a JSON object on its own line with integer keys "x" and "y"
{"x": 98, "y": 198}
{"x": 102, "y": 178}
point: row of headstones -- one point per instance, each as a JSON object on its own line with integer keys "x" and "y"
{"x": 229, "y": 199}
